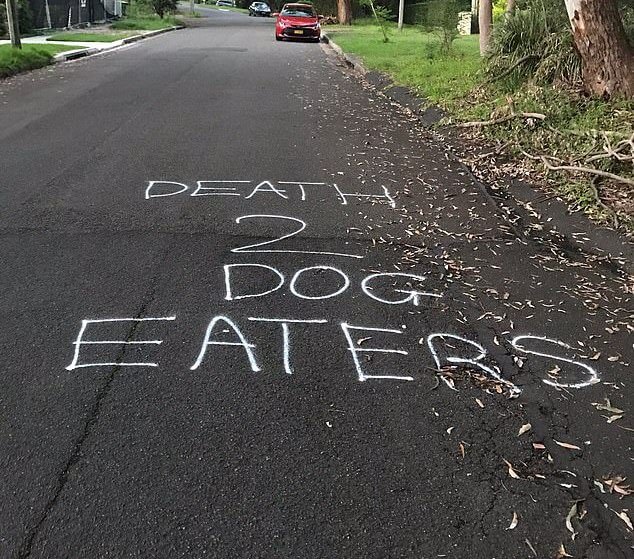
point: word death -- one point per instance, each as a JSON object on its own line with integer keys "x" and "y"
{"x": 286, "y": 190}
{"x": 445, "y": 349}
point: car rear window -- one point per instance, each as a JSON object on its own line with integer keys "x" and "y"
{"x": 298, "y": 11}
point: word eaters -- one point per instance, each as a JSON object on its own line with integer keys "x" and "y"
{"x": 444, "y": 348}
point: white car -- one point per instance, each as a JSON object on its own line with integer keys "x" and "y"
{"x": 230, "y": 3}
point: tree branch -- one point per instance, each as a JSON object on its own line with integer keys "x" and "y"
{"x": 538, "y": 116}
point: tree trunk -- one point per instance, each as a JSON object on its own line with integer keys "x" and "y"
{"x": 510, "y": 8}
{"x": 12, "y": 21}
{"x": 344, "y": 12}
{"x": 607, "y": 57}
{"x": 485, "y": 19}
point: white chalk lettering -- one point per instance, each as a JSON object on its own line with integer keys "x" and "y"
{"x": 474, "y": 362}
{"x": 228, "y": 283}
{"x": 286, "y": 335}
{"x": 355, "y": 350}
{"x": 79, "y": 341}
{"x": 302, "y": 226}
{"x": 339, "y": 291}
{"x": 344, "y": 196}
{"x": 248, "y": 348}
{"x": 151, "y": 184}
{"x": 260, "y": 188}
{"x": 412, "y": 295}
{"x": 217, "y": 190}
{"x": 593, "y": 376}
{"x": 301, "y": 185}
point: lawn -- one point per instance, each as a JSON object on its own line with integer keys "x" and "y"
{"x": 229, "y": 8}
{"x": 88, "y": 37}
{"x": 414, "y": 58}
{"x": 144, "y": 23}
{"x": 29, "y": 57}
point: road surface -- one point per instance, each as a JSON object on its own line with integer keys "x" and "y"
{"x": 251, "y": 308}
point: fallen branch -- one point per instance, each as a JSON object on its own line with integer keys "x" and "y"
{"x": 579, "y": 169}
{"x": 538, "y": 116}
{"x": 597, "y": 198}
{"x": 512, "y": 67}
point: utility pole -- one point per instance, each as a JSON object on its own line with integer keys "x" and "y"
{"x": 14, "y": 27}
{"x": 191, "y": 6}
{"x": 401, "y": 10}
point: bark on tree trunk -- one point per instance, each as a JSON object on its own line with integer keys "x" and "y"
{"x": 607, "y": 57}
{"x": 344, "y": 12}
{"x": 510, "y": 8}
{"x": 485, "y": 19}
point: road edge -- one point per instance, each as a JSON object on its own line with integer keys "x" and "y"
{"x": 89, "y": 51}
{"x": 606, "y": 242}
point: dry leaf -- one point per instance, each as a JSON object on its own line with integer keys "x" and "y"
{"x": 567, "y": 445}
{"x": 512, "y": 472}
{"x": 461, "y": 445}
{"x": 539, "y": 446}
{"x": 524, "y": 429}
{"x": 561, "y": 552}
{"x": 625, "y": 518}
{"x": 513, "y": 523}
{"x": 571, "y": 514}
{"x": 479, "y": 402}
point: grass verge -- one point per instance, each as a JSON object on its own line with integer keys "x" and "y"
{"x": 29, "y": 57}
{"x": 88, "y": 37}
{"x": 224, "y": 8}
{"x": 414, "y": 58}
{"x": 574, "y": 125}
{"x": 144, "y": 23}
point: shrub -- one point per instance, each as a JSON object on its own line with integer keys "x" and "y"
{"x": 442, "y": 20}
{"x": 529, "y": 45}
{"x": 25, "y": 18}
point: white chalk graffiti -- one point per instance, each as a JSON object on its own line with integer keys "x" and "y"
{"x": 412, "y": 295}
{"x": 228, "y": 274}
{"x": 302, "y": 226}
{"x": 293, "y": 289}
{"x": 593, "y": 376}
{"x": 279, "y": 189}
{"x": 385, "y": 196}
{"x": 354, "y": 349}
{"x": 473, "y": 362}
{"x": 286, "y": 335}
{"x": 79, "y": 341}
{"x": 248, "y": 348}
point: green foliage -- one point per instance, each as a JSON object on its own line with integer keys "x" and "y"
{"x": 163, "y": 7}
{"x": 29, "y": 57}
{"x": 148, "y": 23}
{"x": 382, "y": 17}
{"x": 525, "y": 46}
{"x": 88, "y": 37}
{"x": 442, "y": 20}
{"x": 25, "y": 18}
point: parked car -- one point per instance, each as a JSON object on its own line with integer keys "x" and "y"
{"x": 230, "y": 3}
{"x": 259, "y": 9}
{"x": 297, "y": 21}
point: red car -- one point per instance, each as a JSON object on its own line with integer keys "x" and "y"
{"x": 297, "y": 21}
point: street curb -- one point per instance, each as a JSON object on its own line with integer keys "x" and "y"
{"x": 605, "y": 242}
{"x": 429, "y": 115}
{"x": 89, "y": 51}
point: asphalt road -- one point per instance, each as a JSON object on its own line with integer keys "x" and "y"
{"x": 241, "y": 296}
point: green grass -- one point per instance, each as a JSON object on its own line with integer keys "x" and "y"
{"x": 214, "y": 7}
{"x": 144, "y": 23}
{"x": 13, "y": 61}
{"x": 88, "y": 37}
{"x": 455, "y": 80}
{"x": 414, "y": 58}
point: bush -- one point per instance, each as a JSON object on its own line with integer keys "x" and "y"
{"x": 25, "y": 18}
{"x": 528, "y": 45}
{"x": 14, "y": 60}
{"x": 442, "y": 20}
